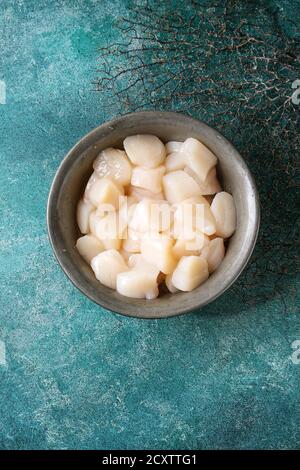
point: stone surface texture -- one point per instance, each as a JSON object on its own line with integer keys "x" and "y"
{"x": 74, "y": 376}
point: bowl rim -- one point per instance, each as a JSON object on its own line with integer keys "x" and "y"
{"x": 54, "y": 190}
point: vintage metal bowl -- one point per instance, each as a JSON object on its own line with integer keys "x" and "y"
{"x": 74, "y": 172}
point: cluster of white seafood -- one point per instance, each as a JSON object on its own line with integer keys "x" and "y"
{"x": 152, "y": 214}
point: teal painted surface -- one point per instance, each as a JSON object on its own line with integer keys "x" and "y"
{"x": 73, "y": 375}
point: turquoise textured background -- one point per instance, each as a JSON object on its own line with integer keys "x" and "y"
{"x": 73, "y": 375}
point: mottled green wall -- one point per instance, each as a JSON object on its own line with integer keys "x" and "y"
{"x": 73, "y": 375}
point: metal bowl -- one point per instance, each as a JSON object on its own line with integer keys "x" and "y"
{"x": 72, "y": 176}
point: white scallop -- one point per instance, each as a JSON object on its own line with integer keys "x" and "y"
{"x": 107, "y": 265}
{"x": 214, "y": 253}
{"x": 190, "y": 272}
{"x": 145, "y": 150}
{"x": 159, "y": 251}
{"x": 198, "y": 157}
{"x": 206, "y": 222}
{"x": 84, "y": 208}
{"x": 104, "y": 191}
{"x": 223, "y": 209}
{"x": 173, "y": 146}
{"x": 178, "y": 185}
{"x": 137, "y": 284}
{"x": 211, "y": 184}
{"x": 88, "y": 247}
{"x": 92, "y": 179}
{"x": 115, "y": 164}
{"x": 149, "y": 179}
{"x": 175, "y": 161}
{"x": 136, "y": 261}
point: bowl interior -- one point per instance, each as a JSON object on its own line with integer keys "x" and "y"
{"x": 72, "y": 177}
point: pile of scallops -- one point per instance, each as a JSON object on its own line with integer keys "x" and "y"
{"x": 153, "y": 214}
